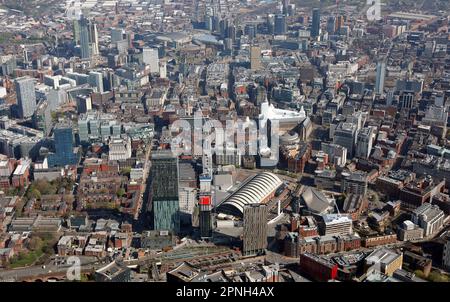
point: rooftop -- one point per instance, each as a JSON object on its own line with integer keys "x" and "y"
{"x": 336, "y": 218}
{"x": 383, "y": 256}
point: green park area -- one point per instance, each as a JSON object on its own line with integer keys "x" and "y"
{"x": 434, "y": 276}
{"x": 39, "y": 248}
{"x": 44, "y": 187}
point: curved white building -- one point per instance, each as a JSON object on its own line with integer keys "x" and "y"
{"x": 257, "y": 190}
{"x": 287, "y": 119}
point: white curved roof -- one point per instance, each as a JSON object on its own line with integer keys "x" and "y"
{"x": 254, "y": 191}
{"x": 316, "y": 201}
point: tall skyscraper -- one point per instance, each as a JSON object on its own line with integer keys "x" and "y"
{"x": 150, "y": 57}
{"x": 205, "y": 222}
{"x": 84, "y": 38}
{"x": 381, "y": 73}
{"x": 84, "y": 103}
{"x": 93, "y": 37}
{"x": 7, "y": 65}
{"x": 364, "y": 142}
{"x": 42, "y": 118}
{"x": 165, "y": 203}
{"x": 331, "y": 25}
{"x": 216, "y": 24}
{"x": 88, "y": 38}
{"x": 250, "y": 30}
{"x": 280, "y": 25}
{"x": 223, "y": 24}
{"x": 187, "y": 190}
{"x": 96, "y": 80}
{"x": 64, "y": 144}
{"x": 231, "y": 32}
{"x": 345, "y": 136}
{"x": 270, "y": 23}
{"x": 407, "y": 100}
{"x": 205, "y": 206}
{"x": 315, "y": 28}
{"x": 285, "y": 7}
{"x": 255, "y": 57}
{"x": 261, "y": 95}
{"x": 76, "y": 32}
{"x": 255, "y": 229}
{"x": 26, "y": 96}
{"x": 339, "y": 22}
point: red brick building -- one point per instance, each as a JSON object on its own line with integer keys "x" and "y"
{"x": 296, "y": 159}
{"x": 21, "y": 175}
{"x": 318, "y": 268}
{"x": 379, "y": 240}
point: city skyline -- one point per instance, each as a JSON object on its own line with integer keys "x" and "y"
{"x": 286, "y": 141}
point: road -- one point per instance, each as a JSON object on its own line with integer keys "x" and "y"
{"x": 141, "y": 202}
{"x": 35, "y": 272}
{"x": 141, "y": 222}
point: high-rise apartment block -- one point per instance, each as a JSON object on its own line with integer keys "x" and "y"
{"x": 255, "y": 229}
{"x": 150, "y": 57}
{"x": 255, "y": 58}
{"x": 26, "y": 97}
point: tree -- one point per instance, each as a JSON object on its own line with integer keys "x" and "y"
{"x": 35, "y": 243}
{"x": 46, "y": 187}
{"x": 125, "y": 171}
{"x": 419, "y": 274}
{"x": 121, "y": 192}
{"x": 33, "y": 193}
{"x": 47, "y": 249}
{"x": 435, "y": 276}
{"x": 13, "y": 192}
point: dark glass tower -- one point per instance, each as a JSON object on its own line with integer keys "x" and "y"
{"x": 64, "y": 144}
{"x": 84, "y": 38}
{"x": 165, "y": 203}
{"x": 88, "y": 38}
{"x": 280, "y": 25}
{"x": 315, "y": 28}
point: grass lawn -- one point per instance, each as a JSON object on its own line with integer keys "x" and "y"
{"x": 40, "y": 248}
{"x": 26, "y": 259}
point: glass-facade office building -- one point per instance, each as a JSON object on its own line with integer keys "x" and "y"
{"x": 165, "y": 203}
{"x": 64, "y": 144}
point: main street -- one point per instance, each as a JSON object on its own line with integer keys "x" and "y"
{"x": 88, "y": 264}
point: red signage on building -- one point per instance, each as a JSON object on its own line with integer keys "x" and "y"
{"x": 205, "y": 200}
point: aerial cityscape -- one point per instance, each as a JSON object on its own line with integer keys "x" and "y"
{"x": 224, "y": 141}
